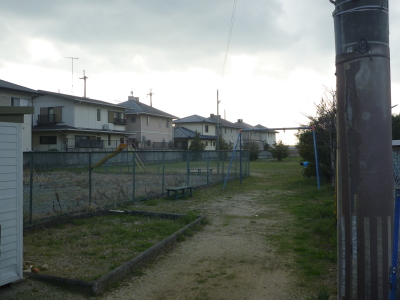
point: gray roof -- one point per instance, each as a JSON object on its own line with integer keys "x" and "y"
{"x": 82, "y": 99}
{"x": 259, "y": 126}
{"x": 223, "y": 122}
{"x": 194, "y": 119}
{"x": 15, "y": 87}
{"x": 141, "y": 108}
{"x": 244, "y": 125}
{"x": 184, "y": 133}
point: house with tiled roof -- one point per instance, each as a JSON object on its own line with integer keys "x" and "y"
{"x": 16, "y": 95}
{"x": 259, "y": 137}
{"x": 228, "y": 130}
{"x": 65, "y": 122}
{"x": 152, "y": 127}
{"x": 186, "y": 128}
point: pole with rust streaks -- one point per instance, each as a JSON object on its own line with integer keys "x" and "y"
{"x": 365, "y": 188}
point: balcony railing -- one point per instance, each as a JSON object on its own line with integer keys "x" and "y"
{"x": 80, "y": 143}
{"x": 119, "y": 121}
{"x": 47, "y": 119}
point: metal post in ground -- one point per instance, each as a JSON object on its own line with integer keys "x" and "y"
{"x": 90, "y": 178}
{"x": 365, "y": 181}
{"x": 31, "y": 190}
{"x": 133, "y": 175}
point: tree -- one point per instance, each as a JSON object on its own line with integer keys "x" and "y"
{"x": 224, "y": 145}
{"x": 396, "y": 127}
{"x": 324, "y": 124}
{"x": 196, "y": 144}
{"x": 279, "y": 151}
{"x": 254, "y": 149}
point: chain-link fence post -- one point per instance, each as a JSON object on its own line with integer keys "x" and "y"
{"x": 90, "y": 178}
{"x": 30, "y": 188}
{"x": 163, "y": 174}
{"x": 133, "y": 175}
{"x": 187, "y": 167}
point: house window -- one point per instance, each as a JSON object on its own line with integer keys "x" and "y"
{"x": 166, "y": 123}
{"x": 19, "y": 102}
{"x": 45, "y": 140}
{"x": 213, "y": 143}
{"x": 133, "y": 119}
{"x": 206, "y": 143}
{"x": 98, "y": 115}
{"x": 109, "y": 140}
{"x": 147, "y": 121}
{"x": 159, "y": 122}
{"x": 206, "y": 128}
{"x": 225, "y": 130}
{"x": 51, "y": 114}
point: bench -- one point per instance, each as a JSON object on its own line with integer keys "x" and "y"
{"x": 200, "y": 170}
{"x": 177, "y": 192}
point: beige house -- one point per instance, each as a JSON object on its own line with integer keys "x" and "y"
{"x": 151, "y": 127}
{"x": 18, "y": 96}
{"x": 257, "y": 136}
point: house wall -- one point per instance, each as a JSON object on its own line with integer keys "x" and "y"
{"x": 49, "y": 101}
{"x": 67, "y": 141}
{"x": 151, "y": 128}
{"x": 5, "y": 100}
{"x": 230, "y": 134}
{"x": 200, "y": 127}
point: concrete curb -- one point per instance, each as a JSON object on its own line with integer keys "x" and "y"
{"x": 100, "y": 285}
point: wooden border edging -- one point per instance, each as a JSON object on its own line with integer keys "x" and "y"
{"x": 100, "y": 285}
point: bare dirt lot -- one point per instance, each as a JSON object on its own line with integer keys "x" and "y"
{"x": 229, "y": 259}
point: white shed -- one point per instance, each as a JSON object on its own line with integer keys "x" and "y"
{"x": 11, "y": 200}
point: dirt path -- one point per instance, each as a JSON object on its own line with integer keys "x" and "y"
{"x": 229, "y": 259}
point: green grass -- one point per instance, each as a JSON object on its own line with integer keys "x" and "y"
{"x": 88, "y": 248}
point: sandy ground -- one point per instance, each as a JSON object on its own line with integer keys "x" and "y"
{"x": 229, "y": 259}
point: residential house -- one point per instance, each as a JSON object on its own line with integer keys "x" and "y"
{"x": 151, "y": 127}
{"x": 70, "y": 123}
{"x": 228, "y": 130}
{"x": 186, "y": 128}
{"x": 268, "y": 136}
{"x": 15, "y": 95}
{"x": 257, "y": 136}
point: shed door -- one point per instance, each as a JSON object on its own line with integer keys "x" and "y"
{"x": 10, "y": 202}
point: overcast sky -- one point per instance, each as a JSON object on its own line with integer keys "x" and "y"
{"x": 281, "y": 54}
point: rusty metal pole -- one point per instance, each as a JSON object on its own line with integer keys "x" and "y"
{"x": 365, "y": 188}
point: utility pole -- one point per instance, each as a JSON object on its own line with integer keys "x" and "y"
{"x": 84, "y": 79}
{"x": 151, "y": 97}
{"x": 365, "y": 190}
{"x": 72, "y": 60}
{"x": 218, "y": 102}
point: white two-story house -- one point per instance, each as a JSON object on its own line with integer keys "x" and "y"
{"x": 186, "y": 128}
{"x": 70, "y": 123}
{"x": 152, "y": 128}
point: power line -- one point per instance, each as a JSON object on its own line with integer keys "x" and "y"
{"x": 229, "y": 36}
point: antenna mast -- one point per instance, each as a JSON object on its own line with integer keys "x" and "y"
{"x": 72, "y": 60}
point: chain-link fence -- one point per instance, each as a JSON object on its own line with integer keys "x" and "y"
{"x": 59, "y": 183}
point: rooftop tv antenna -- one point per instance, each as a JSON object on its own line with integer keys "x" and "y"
{"x": 84, "y": 79}
{"x": 72, "y": 60}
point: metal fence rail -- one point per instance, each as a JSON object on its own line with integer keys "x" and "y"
{"x": 60, "y": 183}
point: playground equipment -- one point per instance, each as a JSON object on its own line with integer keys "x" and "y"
{"x": 239, "y": 141}
{"x": 139, "y": 161}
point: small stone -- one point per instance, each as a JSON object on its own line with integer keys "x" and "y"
{"x": 45, "y": 267}
{"x": 27, "y": 271}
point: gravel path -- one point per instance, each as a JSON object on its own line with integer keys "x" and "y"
{"x": 229, "y": 259}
